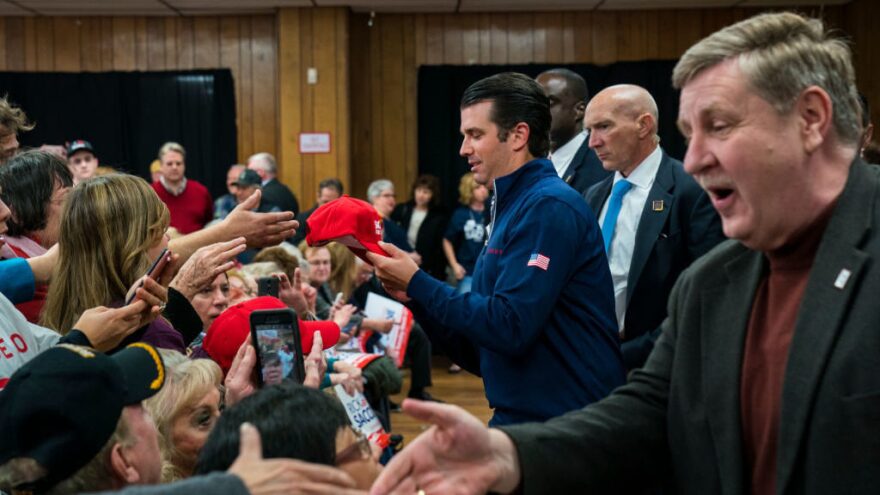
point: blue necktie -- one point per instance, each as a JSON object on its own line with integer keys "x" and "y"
{"x": 617, "y": 192}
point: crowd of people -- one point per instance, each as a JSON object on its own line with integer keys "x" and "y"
{"x": 706, "y": 324}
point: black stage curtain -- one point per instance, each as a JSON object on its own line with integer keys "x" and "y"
{"x": 127, "y": 116}
{"x": 441, "y": 87}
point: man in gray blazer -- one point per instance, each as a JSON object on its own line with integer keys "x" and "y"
{"x": 766, "y": 378}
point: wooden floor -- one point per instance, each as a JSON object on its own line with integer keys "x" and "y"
{"x": 462, "y": 389}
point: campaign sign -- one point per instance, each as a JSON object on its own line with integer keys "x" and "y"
{"x": 395, "y": 341}
{"x": 362, "y": 417}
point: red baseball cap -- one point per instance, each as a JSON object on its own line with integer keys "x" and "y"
{"x": 233, "y": 326}
{"x": 349, "y": 221}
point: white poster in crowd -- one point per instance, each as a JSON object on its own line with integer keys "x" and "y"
{"x": 362, "y": 417}
{"x": 394, "y": 342}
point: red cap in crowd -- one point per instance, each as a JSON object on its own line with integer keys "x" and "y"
{"x": 233, "y": 326}
{"x": 349, "y": 221}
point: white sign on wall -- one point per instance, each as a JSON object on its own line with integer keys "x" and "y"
{"x": 314, "y": 142}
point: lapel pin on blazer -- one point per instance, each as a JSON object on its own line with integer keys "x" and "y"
{"x": 842, "y": 278}
{"x": 657, "y": 205}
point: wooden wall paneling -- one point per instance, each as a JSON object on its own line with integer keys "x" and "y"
{"x": 583, "y": 37}
{"x": 155, "y": 43}
{"x": 419, "y": 39}
{"x": 605, "y": 37}
{"x": 453, "y": 39}
{"x": 325, "y": 98}
{"x": 246, "y": 82}
{"x": 688, "y": 29}
{"x": 289, "y": 98}
{"x": 520, "y": 39}
{"x": 3, "y": 50}
{"x": 554, "y": 51}
{"x": 171, "y": 45}
{"x": 484, "y": 27}
{"x": 45, "y": 44}
{"x": 666, "y": 48}
{"x": 410, "y": 85}
{"x": 393, "y": 123}
{"x": 342, "y": 146}
{"x": 90, "y": 43}
{"x": 434, "y": 39}
{"x": 307, "y": 95}
{"x": 376, "y": 166}
{"x": 30, "y": 44}
{"x": 568, "y": 38}
{"x": 498, "y": 38}
{"x": 67, "y": 46}
{"x": 632, "y": 36}
{"x": 360, "y": 92}
{"x": 470, "y": 35}
{"x": 14, "y": 56}
{"x": 185, "y": 43}
{"x": 265, "y": 86}
{"x": 230, "y": 56}
{"x": 141, "y": 43}
{"x": 539, "y": 38}
{"x": 207, "y": 42}
{"x": 123, "y": 43}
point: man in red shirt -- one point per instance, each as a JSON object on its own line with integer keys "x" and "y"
{"x": 188, "y": 201}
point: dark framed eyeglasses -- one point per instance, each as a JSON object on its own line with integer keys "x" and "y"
{"x": 357, "y": 451}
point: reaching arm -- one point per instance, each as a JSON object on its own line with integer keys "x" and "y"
{"x": 259, "y": 229}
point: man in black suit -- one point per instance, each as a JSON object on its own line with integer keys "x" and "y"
{"x": 766, "y": 378}
{"x": 273, "y": 191}
{"x": 573, "y": 159}
{"x": 665, "y": 220}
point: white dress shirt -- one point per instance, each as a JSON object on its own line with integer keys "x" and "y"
{"x": 623, "y": 243}
{"x": 562, "y": 157}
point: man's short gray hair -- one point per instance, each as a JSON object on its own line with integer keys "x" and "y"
{"x": 265, "y": 162}
{"x": 377, "y": 187}
{"x": 172, "y": 146}
{"x": 782, "y": 54}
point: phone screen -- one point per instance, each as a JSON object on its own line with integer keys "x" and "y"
{"x": 277, "y": 348}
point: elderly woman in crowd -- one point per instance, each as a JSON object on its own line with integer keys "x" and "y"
{"x": 185, "y": 411}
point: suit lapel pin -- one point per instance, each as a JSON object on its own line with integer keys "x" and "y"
{"x": 842, "y": 278}
{"x": 657, "y": 205}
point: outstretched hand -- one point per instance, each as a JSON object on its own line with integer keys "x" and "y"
{"x": 458, "y": 455}
{"x": 260, "y": 229}
{"x": 204, "y": 265}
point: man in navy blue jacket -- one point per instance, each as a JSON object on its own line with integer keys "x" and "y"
{"x": 539, "y": 325}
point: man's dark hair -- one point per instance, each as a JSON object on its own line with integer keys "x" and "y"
{"x": 294, "y": 422}
{"x": 515, "y": 98}
{"x": 332, "y": 183}
{"x": 27, "y": 182}
{"x": 574, "y": 83}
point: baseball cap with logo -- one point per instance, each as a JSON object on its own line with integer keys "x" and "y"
{"x": 349, "y": 221}
{"x": 233, "y": 326}
{"x": 61, "y": 407}
{"x": 248, "y": 178}
{"x": 79, "y": 145}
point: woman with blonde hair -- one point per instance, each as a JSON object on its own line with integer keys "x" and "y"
{"x": 344, "y": 270}
{"x": 185, "y": 411}
{"x": 464, "y": 235}
{"x": 112, "y": 229}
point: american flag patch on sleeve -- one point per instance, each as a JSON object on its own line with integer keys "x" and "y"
{"x": 539, "y": 260}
